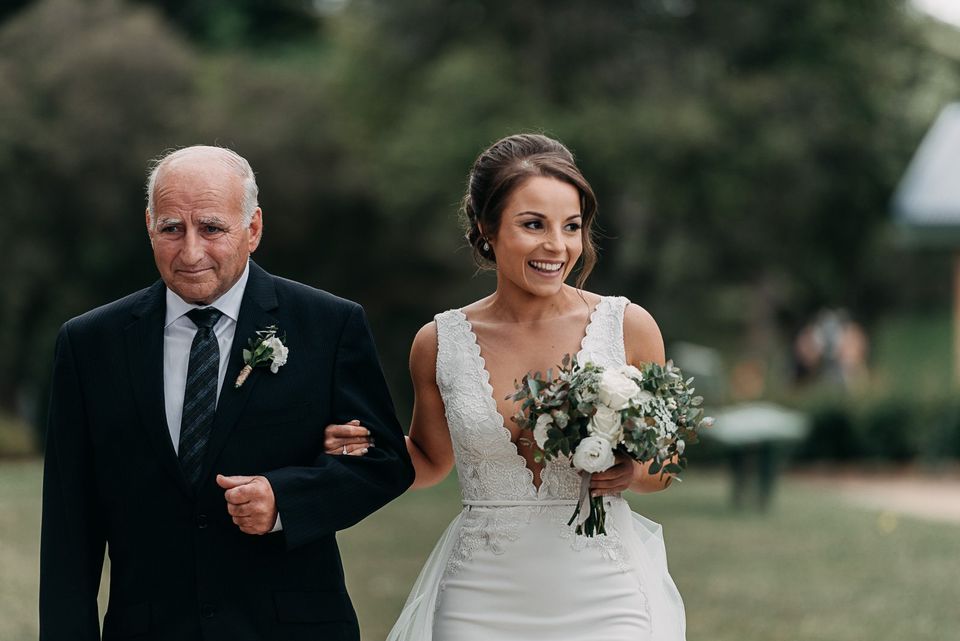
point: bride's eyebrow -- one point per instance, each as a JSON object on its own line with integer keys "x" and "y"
{"x": 537, "y": 214}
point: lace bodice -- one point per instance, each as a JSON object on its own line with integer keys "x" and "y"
{"x": 493, "y": 476}
{"x": 488, "y": 464}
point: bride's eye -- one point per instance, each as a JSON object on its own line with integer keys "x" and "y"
{"x": 533, "y": 224}
{"x": 574, "y": 227}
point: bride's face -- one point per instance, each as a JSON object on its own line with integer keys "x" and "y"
{"x": 539, "y": 239}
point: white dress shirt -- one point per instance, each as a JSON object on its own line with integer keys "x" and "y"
{"x": 178, "y": 333}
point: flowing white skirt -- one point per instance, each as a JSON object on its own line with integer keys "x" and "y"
{"x": 545, "y": 586}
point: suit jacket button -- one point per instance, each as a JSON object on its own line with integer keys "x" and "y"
{"x": 207, "y": 611}
{"x": 201, "y": 521}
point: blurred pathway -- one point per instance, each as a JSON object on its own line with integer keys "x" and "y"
{"x": 928, "y": 497}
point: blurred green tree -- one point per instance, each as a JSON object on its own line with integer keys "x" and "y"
{"x": 241, "y": 23}
{"x": 90, "y": 92}
{"x": 743, "y": 153}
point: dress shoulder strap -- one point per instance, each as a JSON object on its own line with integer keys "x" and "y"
{"x": 603, "y": 342}
{"x": 452, "y": 339}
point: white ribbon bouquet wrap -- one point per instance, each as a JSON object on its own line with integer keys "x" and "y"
{"x": 588, "y": 414}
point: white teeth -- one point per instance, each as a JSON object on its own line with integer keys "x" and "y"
{"x": 547, "y": 267}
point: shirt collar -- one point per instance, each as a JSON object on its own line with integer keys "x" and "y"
{"x": 228, "y": 304}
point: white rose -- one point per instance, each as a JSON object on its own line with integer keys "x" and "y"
{"x": 544, "y": 421}
{"x": 278, "y": 358}
{"x": 631, "y": 371}
{"x": 616, "y": 389}
{"x": 594, "y": 454}
{"x": 606, "y": 424}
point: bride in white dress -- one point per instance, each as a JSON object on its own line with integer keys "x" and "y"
{"x": 509, "y": 568}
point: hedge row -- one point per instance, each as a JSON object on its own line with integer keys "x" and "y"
{"x": 894, "y": 430}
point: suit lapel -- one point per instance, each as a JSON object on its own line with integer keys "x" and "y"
{"x": 144, "y": 346}
{"x": 259, "y": 300}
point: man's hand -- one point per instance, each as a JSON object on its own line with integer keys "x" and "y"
{"x": 250, "y": 502}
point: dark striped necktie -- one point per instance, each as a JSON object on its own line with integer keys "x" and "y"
{"x": 200, "y": 395}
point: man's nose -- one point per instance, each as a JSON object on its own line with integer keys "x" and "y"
{"x": 192, "y": 251}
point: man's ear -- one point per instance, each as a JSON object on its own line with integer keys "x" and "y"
{"x": 146, "y": 215}
{"x": 256, "y": 230}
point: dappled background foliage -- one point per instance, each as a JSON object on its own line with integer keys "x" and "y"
{"x": 743, "y": 154}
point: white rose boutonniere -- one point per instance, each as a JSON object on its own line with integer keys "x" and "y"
{"x": 616, "y": 389}
{"x": 279, "y": 356}
{"x": 267, "y": 349}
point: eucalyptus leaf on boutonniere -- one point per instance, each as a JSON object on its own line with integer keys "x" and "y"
{"x": 265, "y": 350}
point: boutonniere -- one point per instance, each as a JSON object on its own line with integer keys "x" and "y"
{"x": 265, "y": 349}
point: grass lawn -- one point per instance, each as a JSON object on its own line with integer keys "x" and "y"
{"x": 812, "y": 569}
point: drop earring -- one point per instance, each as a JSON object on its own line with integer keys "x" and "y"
{"x": 486, "y": 246}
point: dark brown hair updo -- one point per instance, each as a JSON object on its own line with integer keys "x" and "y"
{"x": 500, "y": 170}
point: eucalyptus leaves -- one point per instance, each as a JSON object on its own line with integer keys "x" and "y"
{"x": 589, "y": 413}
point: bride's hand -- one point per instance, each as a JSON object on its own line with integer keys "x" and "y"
{"x": 615, "y": 480}
{"x": 352, "y": 439}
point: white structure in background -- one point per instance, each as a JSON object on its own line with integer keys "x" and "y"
{"x": 926, "y": 204}
{"x": 943, "y": 10}
{"x": 757, "y": 422}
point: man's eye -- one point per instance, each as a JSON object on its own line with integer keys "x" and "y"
{"x": 169, "y": 229}
{"x": 212, "y": 229}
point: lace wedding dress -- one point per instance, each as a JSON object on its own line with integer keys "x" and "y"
{"x": 509, "y": 568}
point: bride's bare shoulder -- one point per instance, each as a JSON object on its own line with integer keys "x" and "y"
{"x": 423, "y": 351}
{"x": 641, "y": 336}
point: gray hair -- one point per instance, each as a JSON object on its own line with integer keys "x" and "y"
{"x": 230, "y": 159}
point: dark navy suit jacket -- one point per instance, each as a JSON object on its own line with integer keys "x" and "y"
{"x": 179, "y": 568}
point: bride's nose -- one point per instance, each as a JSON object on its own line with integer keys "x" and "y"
{"x": 554, "y": 241}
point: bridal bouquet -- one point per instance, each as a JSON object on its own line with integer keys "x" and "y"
{"x": 589, "y": 413}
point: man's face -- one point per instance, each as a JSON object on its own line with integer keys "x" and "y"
{"x": 199, "y": 242}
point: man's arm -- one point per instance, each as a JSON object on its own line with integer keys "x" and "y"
{"x": 72, "y": 539}
{"x": 338, "y": 491}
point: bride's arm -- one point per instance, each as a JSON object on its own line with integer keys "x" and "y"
{"x": 428, "y": 443}
{"x": 644, "y": 344}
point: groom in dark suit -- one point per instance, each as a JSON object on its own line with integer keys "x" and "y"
{"x": 211, "y": 494}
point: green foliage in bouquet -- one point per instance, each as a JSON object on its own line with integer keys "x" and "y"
{"x": 589, "y": 413}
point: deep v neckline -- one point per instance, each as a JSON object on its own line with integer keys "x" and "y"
{"x": 491, "y": 399}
